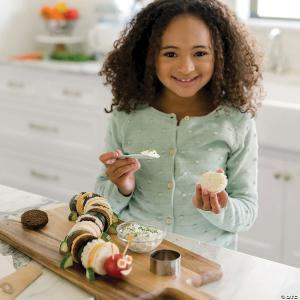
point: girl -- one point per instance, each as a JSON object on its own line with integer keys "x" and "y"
{"x": 184, "y": 75}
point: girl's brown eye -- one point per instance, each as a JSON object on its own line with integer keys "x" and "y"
{"x": 170, "y": 54}
{"x": 200, "y": 53}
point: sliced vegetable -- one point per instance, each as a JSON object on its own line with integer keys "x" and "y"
{"x": 105, "y": 237}
{"x": 73, "y": 216}
{"x": 81, "y": 250}
{"x": 32, "y": 55}
{"x": 112, "y": 229}
{"x": 67, "y": 261}
{"x": 64, "y": 247}
{"x": 72, "y": 207}
{"x": 115, "y": 218}
{"x": 90, "y": 274}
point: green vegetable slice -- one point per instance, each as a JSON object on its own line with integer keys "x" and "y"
{"x": 67, "y": 261}
{"x": 105, "y": 237}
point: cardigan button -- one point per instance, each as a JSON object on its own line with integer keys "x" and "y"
{"x": 181, "y": 217}
{"x": 197, "y": 161}
{"x": 169, "y": 221}
{"x": 183, "y": 195}
{"x": 163, "y": 151}
{"x": 187, "y": 118}
{"x": 159, "y": 216}
{"x": 170, "y": 185}
{"x": 171, "y": 151}
{"x": 159, "y": 194}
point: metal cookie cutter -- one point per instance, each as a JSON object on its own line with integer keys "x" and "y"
{"x": 165, "y": 262}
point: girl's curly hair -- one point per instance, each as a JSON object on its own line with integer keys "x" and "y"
{"x": 130, "y": 67}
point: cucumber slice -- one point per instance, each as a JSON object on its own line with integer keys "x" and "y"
{"x": 90, "y": 275}
{"x": 64, "y": 247}
{"x": 73, "y": 216}
{"x": 112, "y": 229}
{"x": 81, "y": 250}
{"x": 115, "y": 218}
{"x": 69, "y": 235}
{"x": 71, "y": 203}
{"x": 105, "y": 237}
{"x": 67, "y": 261}
{"x": 99, "y": 216}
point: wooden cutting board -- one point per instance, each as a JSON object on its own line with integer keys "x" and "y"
{"x": 43, "y": 246}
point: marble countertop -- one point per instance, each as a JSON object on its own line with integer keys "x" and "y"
{"x": 245, "y": 277}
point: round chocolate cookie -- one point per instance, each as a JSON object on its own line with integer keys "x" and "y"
{"x": 34, "y": 219}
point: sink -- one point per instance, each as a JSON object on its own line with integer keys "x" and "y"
{"x": 282, "y": 92}
{"x": 278, "y": 120}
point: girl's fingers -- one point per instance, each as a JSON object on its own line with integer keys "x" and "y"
{"x": 214, "y": 203}
{"x": 197, "y": 199}
{"x": 220, "y": 171}
{"x": 206, "y": 200}
{"x": 223, "y": 198}
{"x": 108, "y": 158}
{"x": 121, "y": 163}
{"x": 123, "y": 170}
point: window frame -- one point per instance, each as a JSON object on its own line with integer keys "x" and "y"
{"x": 254, "y": 15}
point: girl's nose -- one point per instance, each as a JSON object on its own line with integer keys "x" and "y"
{"x": 185, "y": 66}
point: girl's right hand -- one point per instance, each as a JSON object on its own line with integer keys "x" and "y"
{"x": 120, "y": 171}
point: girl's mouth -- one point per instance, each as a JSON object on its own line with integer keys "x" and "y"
{"x": 185, "y": 82}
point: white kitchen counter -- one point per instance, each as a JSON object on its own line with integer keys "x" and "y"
{"x": 245, "y": 277}
{"x": 88, "y": 68}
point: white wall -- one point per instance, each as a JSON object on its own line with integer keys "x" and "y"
{"x": 20, "y": 22}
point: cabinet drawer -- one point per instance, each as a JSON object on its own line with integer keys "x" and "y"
{"x": 71, "y": 131}
{"x": 45, "y": 174}
{"x": 19, "y": 80}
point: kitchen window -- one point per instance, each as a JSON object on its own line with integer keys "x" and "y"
{"x": 276, "y": 9}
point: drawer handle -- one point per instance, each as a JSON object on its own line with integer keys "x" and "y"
{"x": 42, "y": 127}
{"x": 277, "y": 175}
{"x": 288, "y": 177}
{"x": 14, "y": 84}
{"x": 44, "y": 176}
{"x": 72, "y": 93}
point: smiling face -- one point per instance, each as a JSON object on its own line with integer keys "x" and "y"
{"x": 185, "y": 62}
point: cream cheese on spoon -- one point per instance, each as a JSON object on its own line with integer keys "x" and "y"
{"x": 150, "y": 152}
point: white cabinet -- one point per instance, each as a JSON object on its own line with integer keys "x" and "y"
{"x": 52, "y": 129}
{"x": 291, "y": 208}
{"x": 275, "y": 233}
{"x": 264, "y": 238}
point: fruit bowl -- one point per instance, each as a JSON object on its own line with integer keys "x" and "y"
{"x": 144, "y": 240}
{"x": 60, "y": 27}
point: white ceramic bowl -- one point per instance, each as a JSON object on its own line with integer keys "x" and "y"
{"x": 142, "y": 244}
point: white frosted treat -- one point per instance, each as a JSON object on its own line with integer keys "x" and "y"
{"x": 150, "y": 152}
{"x": 214, "y": 182}
{"x": 87, "y": 250}
{"x": 101, "y": 255}
{"x": 86, "y": 227}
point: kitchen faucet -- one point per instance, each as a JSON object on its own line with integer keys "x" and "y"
{"x": 277, "y": 60}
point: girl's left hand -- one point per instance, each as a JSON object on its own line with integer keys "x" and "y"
{"x": 210, "y": 201}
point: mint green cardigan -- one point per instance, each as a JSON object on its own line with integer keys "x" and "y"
{"x": 165, "y": 186}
